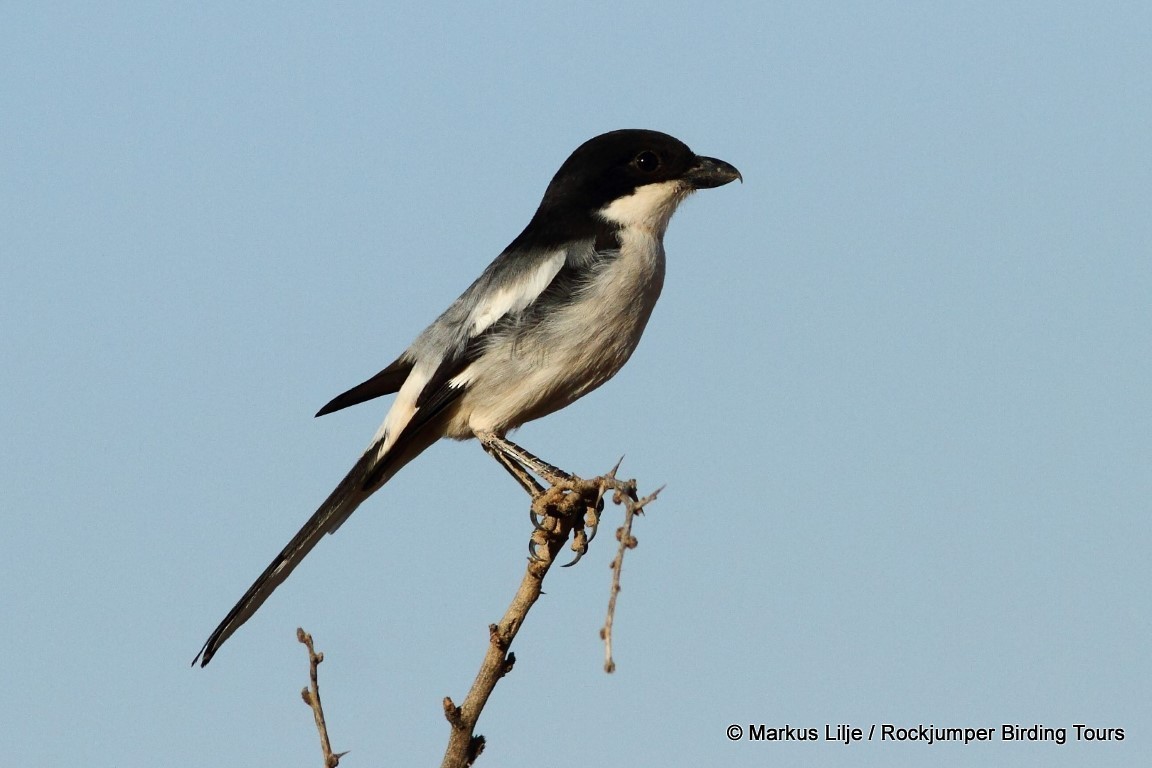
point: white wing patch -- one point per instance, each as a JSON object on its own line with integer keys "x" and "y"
{"x": 464, "y": 378}
{"x": 513, "y": 297}
{"x": 403, "y": 407}
{"x": 518, "y": 295}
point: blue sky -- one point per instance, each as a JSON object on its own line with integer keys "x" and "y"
{"x": 897, "y": 384}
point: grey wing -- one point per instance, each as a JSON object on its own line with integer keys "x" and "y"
{"x": 516, "y": 289}
{"x": 508, "y": 291}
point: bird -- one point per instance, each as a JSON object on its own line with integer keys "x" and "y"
{"x": 554, "y": 316}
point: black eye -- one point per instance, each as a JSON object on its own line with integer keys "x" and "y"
{"x": 647, "y": 161}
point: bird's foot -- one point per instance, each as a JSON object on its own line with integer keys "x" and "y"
{"x": 568, "y": 510}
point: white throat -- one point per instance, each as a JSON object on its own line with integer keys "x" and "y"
{"x": 649, "y": 208}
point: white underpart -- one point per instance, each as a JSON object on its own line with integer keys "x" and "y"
{"x": 515, "y": 297}
{"x": 650, "y": 207}
{"x": 584, "y": 342}
{"x": 644, "y": 214}
{"x": 511, "y": 298}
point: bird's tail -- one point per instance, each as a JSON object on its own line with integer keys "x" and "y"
{"x": 369, "y": 473}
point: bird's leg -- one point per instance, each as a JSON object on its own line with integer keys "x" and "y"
{"x": 519, "y": 463}
{"x": 518, "y": 472}
{"x": 495, "y": 444}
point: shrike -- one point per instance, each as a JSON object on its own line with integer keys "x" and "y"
{"x": 556, "y": 315}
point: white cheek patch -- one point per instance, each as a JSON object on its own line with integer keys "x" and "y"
{"x": 649, "y": 207}
{"x": 518, "y": 295}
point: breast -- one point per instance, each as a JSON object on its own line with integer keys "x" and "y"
{"x": 571, "y": 352}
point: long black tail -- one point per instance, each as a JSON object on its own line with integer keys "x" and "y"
{"x": 349, "y": 494}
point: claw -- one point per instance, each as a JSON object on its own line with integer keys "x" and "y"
{"x": 532, "y": 552}
{"x": 579, "y": 546}
{"x": 574, "y": 560}
{"x": 592, "y": 520}
{"x": 535, "y": 518}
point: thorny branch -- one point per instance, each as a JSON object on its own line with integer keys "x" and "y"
{"x": 563, "y": 511}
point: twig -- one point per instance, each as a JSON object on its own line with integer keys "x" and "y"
{"x": 564, "y": 508}
{"x": 311, "y": 697}
{"x": 632, "y": 507}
